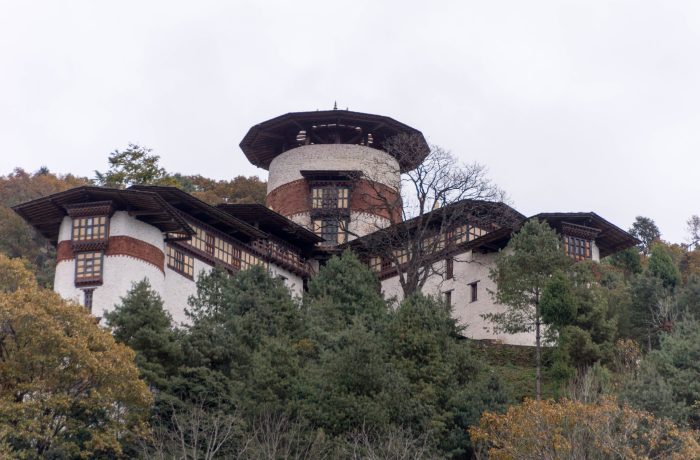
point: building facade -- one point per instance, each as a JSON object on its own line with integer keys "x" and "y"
{"x": 330, "y": 180}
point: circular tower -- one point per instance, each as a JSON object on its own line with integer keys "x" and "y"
{"x": 331, "y": 172}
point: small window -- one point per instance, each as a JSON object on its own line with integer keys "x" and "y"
{"x": 375, "y": 264}
{"x": 448, "y": 298}
{"x": 88, "y": 266}
{"x": 209, "y": 244}
{"x": 89, "y": 228}
{"x": 449, "y": 268}
{"x": 180, "y": 262}
{"x": 474, "y": 291}
{"x": 87, "y": 302}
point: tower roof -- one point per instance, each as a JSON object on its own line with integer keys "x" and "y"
{"x": 268, "y": 139}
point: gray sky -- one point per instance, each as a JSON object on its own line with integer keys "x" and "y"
{"x": 573, "y": 106}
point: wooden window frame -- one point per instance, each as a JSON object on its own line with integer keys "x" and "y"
{"x": 88, "y": 225}
{"x": 450, "y": 268}
{"x": 180, "y": 262}
{"x": 333, "y": 196}
{"x": 448, "y": 297}
{"x": 88, "y": 298}
{"x": 86, "y": 259}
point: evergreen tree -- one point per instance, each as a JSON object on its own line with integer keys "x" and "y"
{"x": 141, "y": 322}
{"x": 521, "y": 274}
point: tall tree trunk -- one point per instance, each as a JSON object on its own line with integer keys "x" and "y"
{"x": 538, "y": 354}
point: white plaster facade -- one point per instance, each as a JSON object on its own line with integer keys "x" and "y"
{"x": 375, "y": 164}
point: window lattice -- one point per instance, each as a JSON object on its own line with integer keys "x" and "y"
{"x": 180, "y": 262}
{"x": 89, "y": 228}
{"x": 88, "y": 266}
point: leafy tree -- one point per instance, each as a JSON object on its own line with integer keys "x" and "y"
{"x": 521, "y": 273}
{"x": 693, "y": 228}
{"x": 17, "y": 238}
{"x": 662, "y": 266}
{"x": 134, "y": 165}
{"x": 668, "y": 383}
{"x": 573, "y": 429}
{"x": 67, "y": 389}
{"x": 141, "y": 322}
{"x": 627, "y": 260}
{"x": 646, "y": 231}
{"x": 240, "y": 189}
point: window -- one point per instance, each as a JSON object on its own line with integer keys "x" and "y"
{"x": 450, "y": 268}
{"x": 87, "y": 302}
{"x": 180, "y": 262}
{"x": 209, "y": 244}
{"x": 330, "y": 197}
{"x": 375, "y": 264}
{"x": 577, "y": 248}
{"x": 448, "y": 298}
{"x": 474, "y": 291}
{"x": 333, "y": 230}
{"x": 89, "y": 228}
{"x": 88, "y": 267}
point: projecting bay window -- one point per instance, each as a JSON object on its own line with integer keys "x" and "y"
{"x": 578, "y": 248}
{"x": 180, "y": 262}
{"x": 330, "y": 197}
{"x": 331, "y": 229}
{"x": 88, "y": 267}
{"x": 89, "y": 228}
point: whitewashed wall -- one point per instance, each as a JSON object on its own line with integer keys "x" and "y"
{"x": 469, "y": 267}
{"x": 375, "y": 164}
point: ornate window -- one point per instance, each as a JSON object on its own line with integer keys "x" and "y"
{"x": 331, "y": 229}
{"x": 578, "y": 248}
{"x": 180, "y": 262}
{"x": 578, "y": 240}
{"x": 330, "y": 197}
{"x": 88, "y": 267}
{"x": 89, "y": 228}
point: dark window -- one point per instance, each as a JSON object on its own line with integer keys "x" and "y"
{"x": 449, "y": 268}
{"x": 448, "y": 298}
{"x": 331, "y": 229}
{"x": 89, "y": 228}
{"x": 180, "y": 262}
{"x": 88, "y": 266}
{"x": 578, "y": 248}
{"x": 88, "y": 299}
{"x": 474, "y": 291}
{"x": 209, "y": 244}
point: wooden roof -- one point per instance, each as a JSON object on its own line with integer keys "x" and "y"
{"x": 609, "y": 240}
{"x": 46, "y": 214}
{"x": 204, "y": 212}
{"x": 273, "y": 223}
{"x": 266, "y": 140}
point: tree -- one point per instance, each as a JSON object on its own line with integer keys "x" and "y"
{"x": 693, "y": 228}
{"x": 17, "y": 238}
{"x": 646, "y": 231}
{"x": 572, "y": 429}
{"x": 437, "y": 200}
{"x": 240, "y": 189}
{"x": 141, "y": 322}
{"x": 521, "y": 273}
{"x": 134, "y": 165}
{"x": 67, "y": 389}
{"x": 668, "y": 382}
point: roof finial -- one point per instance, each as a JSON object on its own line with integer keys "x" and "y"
{"x": 335, "y": 105}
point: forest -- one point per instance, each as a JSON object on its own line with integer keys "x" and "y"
{"x": 344, "y": 372}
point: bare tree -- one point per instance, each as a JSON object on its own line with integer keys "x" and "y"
{"x": 276, "y": 437}
{"x": 197, "y": 433}
{"x": 395, "y": 443}
{"x": 693, "y": 228}
{"x": 438, "y": 206}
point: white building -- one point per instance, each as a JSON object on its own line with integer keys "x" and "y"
{"x": 327, "y": 171}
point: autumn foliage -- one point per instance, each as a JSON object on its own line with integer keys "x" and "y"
{"x": 67, "y": 389}
{"x": 576, "y": 430}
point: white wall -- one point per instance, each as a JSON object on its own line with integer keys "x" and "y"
{"x": 375, "y": 164}
{"x": 468, "y": 268}
{"x": 179, "y": 288}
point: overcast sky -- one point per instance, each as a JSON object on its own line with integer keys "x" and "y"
{"x": 573, "y": 106}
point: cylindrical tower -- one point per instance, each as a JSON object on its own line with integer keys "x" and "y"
{"x": 330, "y": 172}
